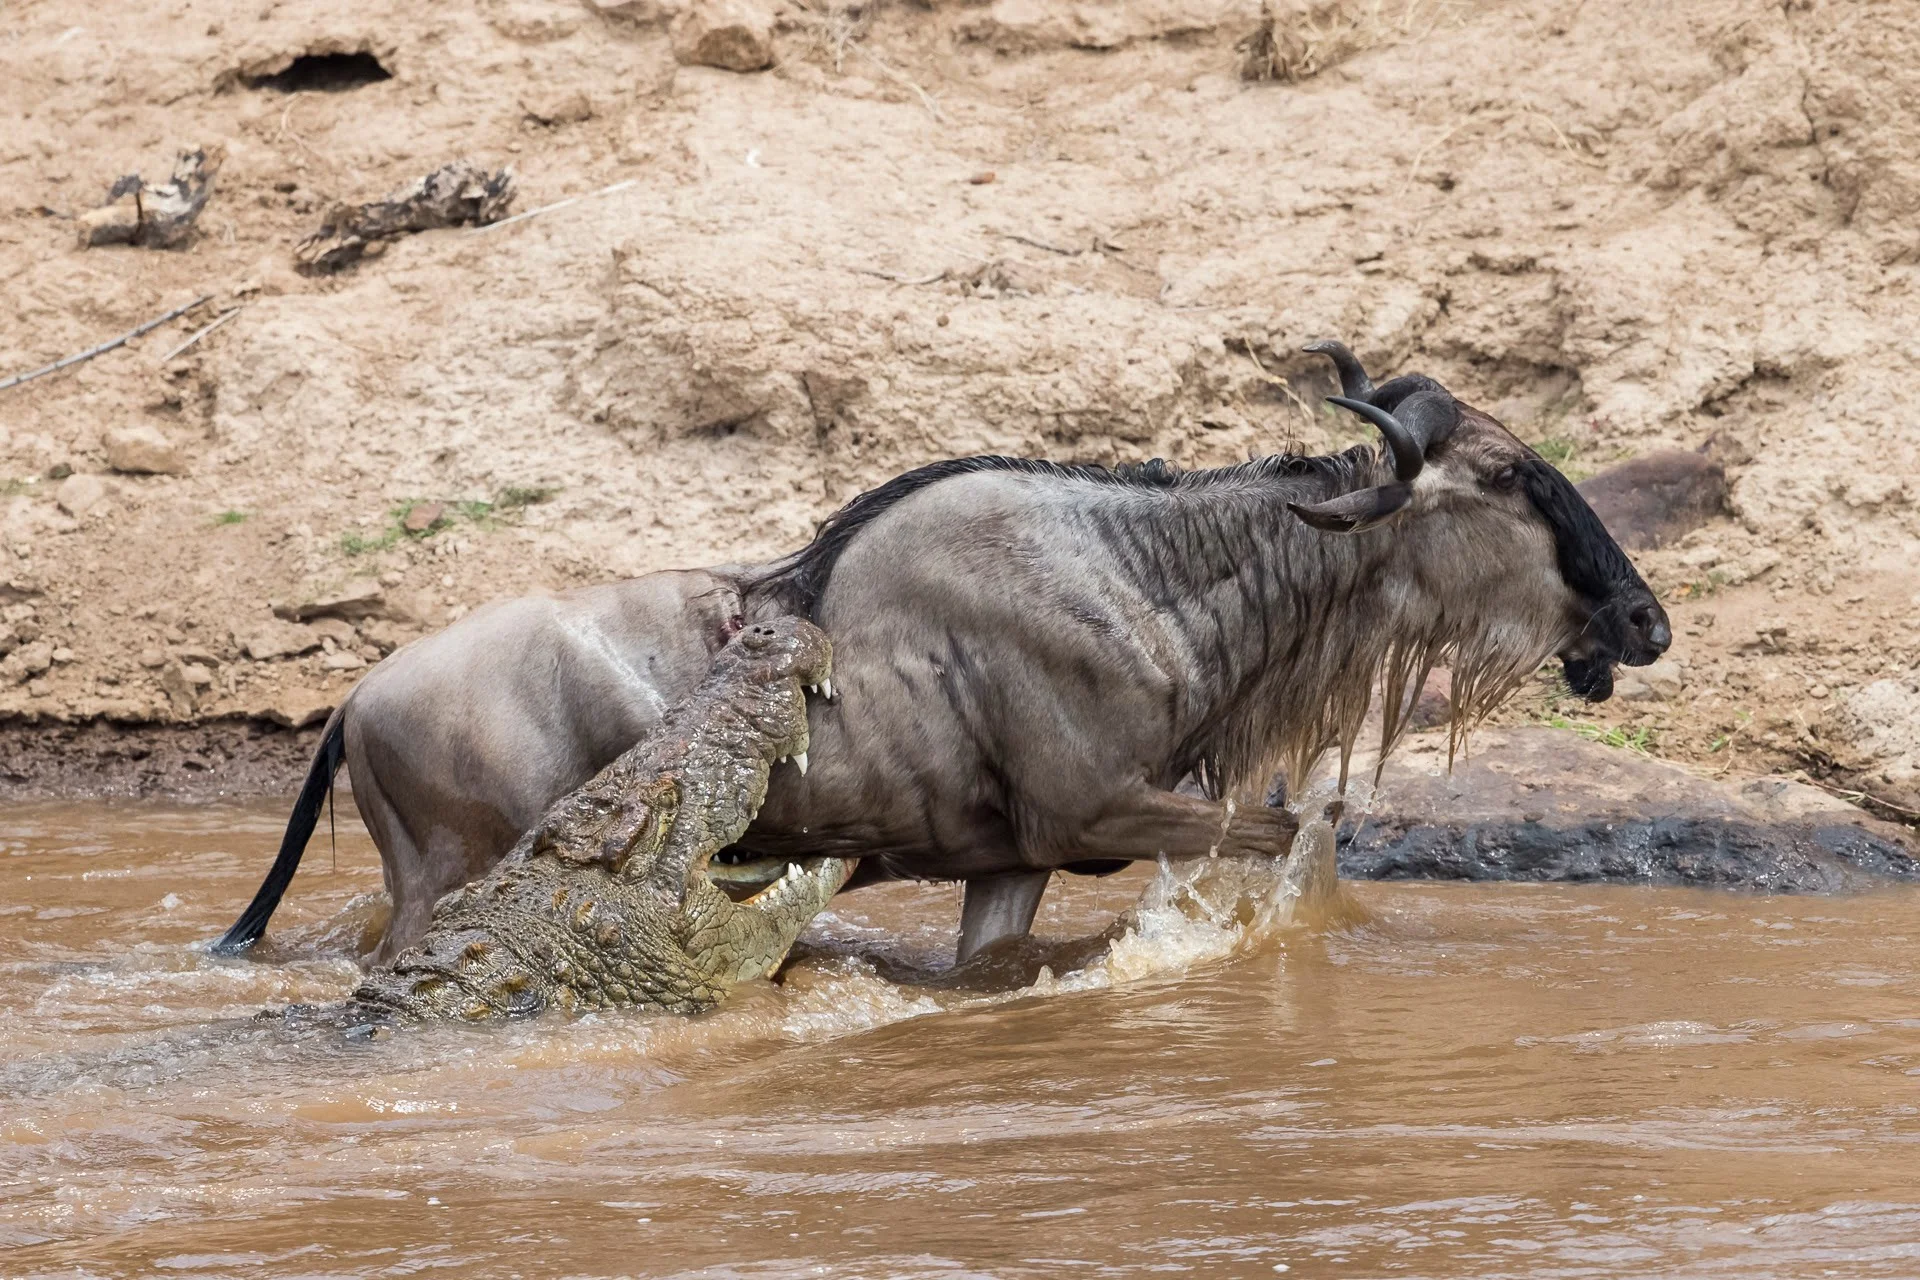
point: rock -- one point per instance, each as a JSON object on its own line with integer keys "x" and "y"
{"x": 338, "y": 630}
{"x": 556, "y": 105}
{"x": 80, "y": 494}
{"x": 343, "y": 660}
{"x": 197, "y": 654}
{"x": 422, "y": 516}
{"x": 298, "y": 708}
{"x": 152, "y": 659}
{"x": 733, "y": 35}
{"x": 1547, "y": 805}
{"x": 1655, "y": 682}
{"x": 359, "y": 598}
{"x": 1656, "y": 499}
{"x": 141, "y": 450}
{"x": 639, "y": 13}
{"x": 266, "y": 641}
{"x": 63, "y": 655}
{"x": 9, "y": 639}
{"x": 183, "y": 683}
{"x": 26, "y": 662}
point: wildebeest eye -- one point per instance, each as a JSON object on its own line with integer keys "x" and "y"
{"x": 1506, "y": 477}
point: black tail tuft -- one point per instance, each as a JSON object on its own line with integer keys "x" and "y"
{"x": 306, "y": 813}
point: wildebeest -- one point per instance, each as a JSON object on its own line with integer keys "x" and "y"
{"x": 1029, "y": 657}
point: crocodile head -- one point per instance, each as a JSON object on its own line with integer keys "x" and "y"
{"x": 608, "y": 901}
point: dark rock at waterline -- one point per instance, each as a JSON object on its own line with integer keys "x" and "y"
{"x": 1651, "y": 501}
{"x": 1703, "y": 852}
{"x": 1538, "y": 804}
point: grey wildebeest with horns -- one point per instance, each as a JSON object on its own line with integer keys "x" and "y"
{"x": 1030, "y": 658}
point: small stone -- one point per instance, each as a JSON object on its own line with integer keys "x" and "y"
{"x": 268, "y": 640}
{"x": 198, "y": 654}
{"x": 152, "y": 659}
{"x": 141, "y": 450}
{"x": 982, "y": 178}
{"x": 1655, "y": 682}
{"x": 359, "y": 598}
{"x": 63, "y": 655}
{"x": 343, "y": 660}
{"x": 26, "y": 662}
{"x": 9, "y": 639}
{"x": 196, "y": 675}
{"x": 733, "y": 35}
{"x": 298, "y": 708}
{"x": 422, "y": 517}
{"x": 338, "y": 630}
{"x": 555, "y": 106}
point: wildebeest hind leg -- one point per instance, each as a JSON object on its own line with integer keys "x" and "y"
{"x": 401, "y": 866}
{"x": 997, "y": 908}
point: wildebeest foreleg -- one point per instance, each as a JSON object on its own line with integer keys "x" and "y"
{"x": 1148, "y": 823}
{"x": 998, "y": 907}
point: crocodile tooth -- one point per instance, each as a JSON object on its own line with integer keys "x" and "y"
{"x": 801, "y": 760}
{"x": 826, "y": 690}
{"x": 793, "y": 871}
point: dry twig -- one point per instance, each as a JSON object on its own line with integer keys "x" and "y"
{"x": 898, "y": 279}
{"x": 926, "y": 99}
{"x": 558, "y": 204}
{"x": 202, "y": 332}
{"x": 104, "y": 347}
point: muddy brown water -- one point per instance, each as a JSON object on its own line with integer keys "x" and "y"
{"x": 1474, "y": 1080}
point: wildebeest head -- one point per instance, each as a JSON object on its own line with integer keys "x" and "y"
{"x": 1497, "y": 517}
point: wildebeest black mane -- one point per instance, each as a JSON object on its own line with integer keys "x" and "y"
{"x": 799, "y": 580}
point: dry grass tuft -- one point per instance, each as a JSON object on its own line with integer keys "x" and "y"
{"x": 1312, "y": 35}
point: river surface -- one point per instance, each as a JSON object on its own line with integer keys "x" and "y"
{"x": 1461, "y": 1080}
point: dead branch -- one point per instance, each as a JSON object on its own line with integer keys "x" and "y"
{"x": 104, "y": 347}
{"x": 935, "y": 278}
{"x": 559, "y": 204}
{"x": 202, "y": 332}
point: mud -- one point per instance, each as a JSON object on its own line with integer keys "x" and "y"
{"x": 210, "y": 760}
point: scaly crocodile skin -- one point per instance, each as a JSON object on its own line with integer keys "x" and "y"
{"x": 606, "y": 903}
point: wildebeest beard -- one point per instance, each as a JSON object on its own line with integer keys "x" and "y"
{"x": 1593, "y": 565}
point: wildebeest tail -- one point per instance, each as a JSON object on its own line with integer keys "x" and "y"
{"x": 293, "y": 842}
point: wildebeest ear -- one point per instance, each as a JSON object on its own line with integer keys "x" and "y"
{"x": 1357, "y": 511}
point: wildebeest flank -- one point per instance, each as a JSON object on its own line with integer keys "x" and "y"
{"x": 1031, "y": 656}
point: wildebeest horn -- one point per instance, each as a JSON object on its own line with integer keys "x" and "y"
{"x": 1354, "y": 512}
{"x": 1425, "y": 418}
{"x": 1353, "y": 379}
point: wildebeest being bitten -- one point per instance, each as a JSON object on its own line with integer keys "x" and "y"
{"x": 1029, "y": 659}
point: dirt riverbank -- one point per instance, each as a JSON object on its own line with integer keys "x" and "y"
{"x": 1072, "y": 230}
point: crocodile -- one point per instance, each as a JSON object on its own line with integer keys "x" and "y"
{"x": 607, "y": 902}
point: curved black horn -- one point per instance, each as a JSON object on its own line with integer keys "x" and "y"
{"x": 1354, "y": 381}
{"x": 1408, "y": 456}
{"x": 1426, "y": 418}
